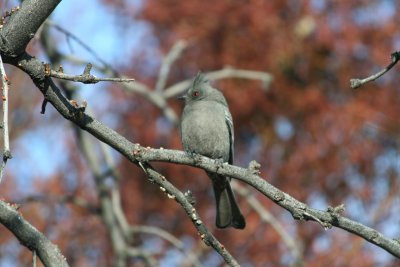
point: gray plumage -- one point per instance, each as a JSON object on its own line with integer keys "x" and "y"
{"x": 207, "y": 129}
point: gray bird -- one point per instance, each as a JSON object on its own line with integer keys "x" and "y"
{"x": 207, "y": 129}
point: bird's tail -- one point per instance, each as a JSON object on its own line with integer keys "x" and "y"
{"x": 228, "y": 212}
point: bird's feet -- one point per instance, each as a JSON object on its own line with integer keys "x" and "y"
{"x": 219, "y": 163}
{"x": 195, "y": 156}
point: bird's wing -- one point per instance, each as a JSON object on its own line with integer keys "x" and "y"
{"x": 229, "y": 124}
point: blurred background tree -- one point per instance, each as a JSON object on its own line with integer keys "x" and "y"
{"x": 315, "y": 138}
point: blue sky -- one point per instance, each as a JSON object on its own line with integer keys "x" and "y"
{"x": 97, "y": 28}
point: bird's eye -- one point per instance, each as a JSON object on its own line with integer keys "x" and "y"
{"x": 196, "y": 93}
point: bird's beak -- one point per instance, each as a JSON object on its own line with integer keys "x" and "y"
{"x": 182, "y": 97}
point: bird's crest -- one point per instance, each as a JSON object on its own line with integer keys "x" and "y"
{"x": 199, "y": 79}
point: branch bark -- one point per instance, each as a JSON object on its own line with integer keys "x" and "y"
{"x": 355, "y": 83}
{"x": 23, "y": 25}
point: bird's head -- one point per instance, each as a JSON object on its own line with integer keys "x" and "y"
{"x": 201, "y": 90}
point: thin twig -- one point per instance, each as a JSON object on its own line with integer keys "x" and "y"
{"x": 355, "y": 83}
{"x": 6, "y": 139}
{"x": 85, "y": 78}
{"x": 44, "y": 104}
{"x": 170, "y": 58}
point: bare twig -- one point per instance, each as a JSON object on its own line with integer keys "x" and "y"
{"x": 6, "y": 139}
{"x": 86, "y": 77}
{"x": 172, "y": 55}
{"x": 355, "y": 83}
{"x": 43, "y": 108}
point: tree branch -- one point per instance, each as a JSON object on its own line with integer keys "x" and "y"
{"x": 23, "y": 24}
{"x": 355, "y": 83}
{"x": 30, "y": 237}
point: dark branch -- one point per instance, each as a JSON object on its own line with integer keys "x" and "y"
{"x": 355, "y": 83}
{"x": 23, "y": 24}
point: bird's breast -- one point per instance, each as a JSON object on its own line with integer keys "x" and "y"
{"x": 204, "y": 131}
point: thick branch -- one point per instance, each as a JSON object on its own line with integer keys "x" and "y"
{"x": 30, "y": 237}
{"x": 23, "y": 24}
